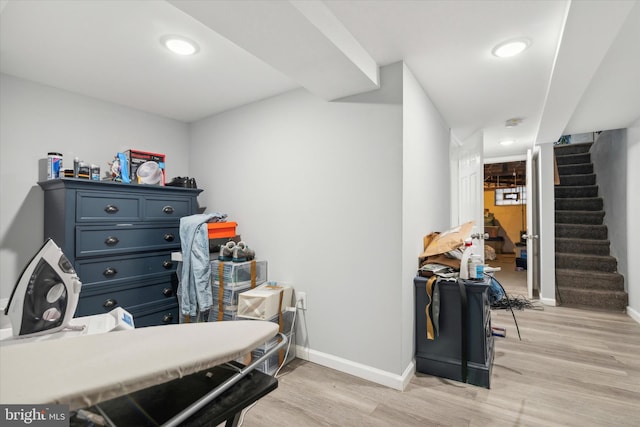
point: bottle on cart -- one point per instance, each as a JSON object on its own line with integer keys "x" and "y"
{"x": 476, "y": 267}
{"x": 466, "y": 258}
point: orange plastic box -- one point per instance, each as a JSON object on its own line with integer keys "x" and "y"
{"x": 221, "y": 229}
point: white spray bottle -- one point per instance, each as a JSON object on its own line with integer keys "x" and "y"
{"x": 464, "y": 262}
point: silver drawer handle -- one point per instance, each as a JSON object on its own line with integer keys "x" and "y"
{"x": 169, "y": 237}
{"x": 110, "y": 303}
{"x": 168, "y": 210}
{"x": 167, "y": 318}
{"x": 111, "y": 241}
{"x": 109, "y": 272}
{"x": 167, "y": 264}
{"x": 167, "y": 292}
{"x": 111, "y": 209}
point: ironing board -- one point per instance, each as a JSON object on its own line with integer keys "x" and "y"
{"x": 85, "y": 370}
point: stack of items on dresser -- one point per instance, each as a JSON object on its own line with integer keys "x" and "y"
{"x": 240, "y": 293}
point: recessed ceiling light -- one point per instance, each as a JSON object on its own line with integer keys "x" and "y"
{"x": 180, "y": 45}
{"x": 511, "y": 48}
{"x": 507, "y": 142}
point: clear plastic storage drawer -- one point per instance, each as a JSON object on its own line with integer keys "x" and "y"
{"x": 249, "y": 272}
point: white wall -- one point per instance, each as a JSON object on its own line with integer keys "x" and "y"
{"x": 37, "y": 119}
{"x": 425, "y": 191}
{"x": 609, "y": 157}
{"x": 316, "y": 189}
{"x": 332, "y": 194}
{"x": 633, "y": 213}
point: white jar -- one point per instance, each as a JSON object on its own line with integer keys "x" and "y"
{"x": 476, "y": 267}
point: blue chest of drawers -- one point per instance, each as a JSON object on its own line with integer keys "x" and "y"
{"x": 119, "y": 238}
{"x": 463, "y": 349}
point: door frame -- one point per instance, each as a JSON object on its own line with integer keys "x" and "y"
{"x": 532, "y": 234}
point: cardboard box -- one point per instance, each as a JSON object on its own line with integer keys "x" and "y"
{"x": 263, "y": 302}
{"x": 146, "y": 167}
{"x": 439, "y": 243}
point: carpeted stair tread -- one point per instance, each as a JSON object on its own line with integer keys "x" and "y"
{"x": 579, "y": 217}
{"x": 593, "y": 298}
{"x": 586, "y": 262}
{"x": 580, "y": 169}
{"x": 586, "y": 274}
{"x": 564, "y": 149}
{"x": 582, "y": 231}
{"x": 579, "y": 204}
{"x": 578, "y": 179}
{"x": 568, "y": 278}
{"x": 582, "y": 246}
{"x": 576, "y": 191}
{"x": 573, "y": 159}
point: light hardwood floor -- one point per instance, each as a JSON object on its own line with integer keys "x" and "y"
{"x": 572, "y": 368}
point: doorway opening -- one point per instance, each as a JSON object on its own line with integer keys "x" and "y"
{"x": 505, "y": 221}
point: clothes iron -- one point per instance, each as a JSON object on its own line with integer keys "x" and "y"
{"x": 45, "y": 297}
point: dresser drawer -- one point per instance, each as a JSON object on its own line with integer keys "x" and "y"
{"x": 97, "y": 299}
{"x": 154, "y": 314}
{"x": 108, "y": 206}
{"x": 166, "y": 209}
{"x": 112, "y": 240}
{"x": 124, "y": 267}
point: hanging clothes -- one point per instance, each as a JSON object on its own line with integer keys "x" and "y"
{"x": 194, "y": 291}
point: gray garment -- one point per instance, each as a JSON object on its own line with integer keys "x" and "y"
{"x": 194, "y": 292}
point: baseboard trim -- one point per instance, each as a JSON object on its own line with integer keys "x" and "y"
{"x": 635, "y": 315}
{"x": 548, "y": 301}
{"x": 378, "y": 376}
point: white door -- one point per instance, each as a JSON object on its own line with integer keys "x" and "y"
{"x": 533, "y": 225}
{"x": 467, "y": 162}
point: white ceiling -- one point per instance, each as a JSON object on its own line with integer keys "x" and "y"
{"x": 580, "y": 73}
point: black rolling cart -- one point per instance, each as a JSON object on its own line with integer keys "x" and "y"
{"x": 462, "y": 350}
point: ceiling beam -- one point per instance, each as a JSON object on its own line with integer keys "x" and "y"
{"x": 589, "y": 30}
{"x": 303, "y": 40}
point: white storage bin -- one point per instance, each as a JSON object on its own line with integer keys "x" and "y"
{"x": 263, "y": 302}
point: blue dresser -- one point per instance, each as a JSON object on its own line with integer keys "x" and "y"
{"x": 119, "y": 238}
{"x": 463, "y": 348}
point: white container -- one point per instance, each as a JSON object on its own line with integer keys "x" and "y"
{"x": 54, "y": 165}
{"x": 464, "y": 262}
{"x": 263, "y": 302}
{"x": 476, "y": 267}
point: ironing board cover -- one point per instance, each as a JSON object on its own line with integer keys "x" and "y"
{"x": 85, "y": 370}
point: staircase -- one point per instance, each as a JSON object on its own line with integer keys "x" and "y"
{"x": 586, "y": 273}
